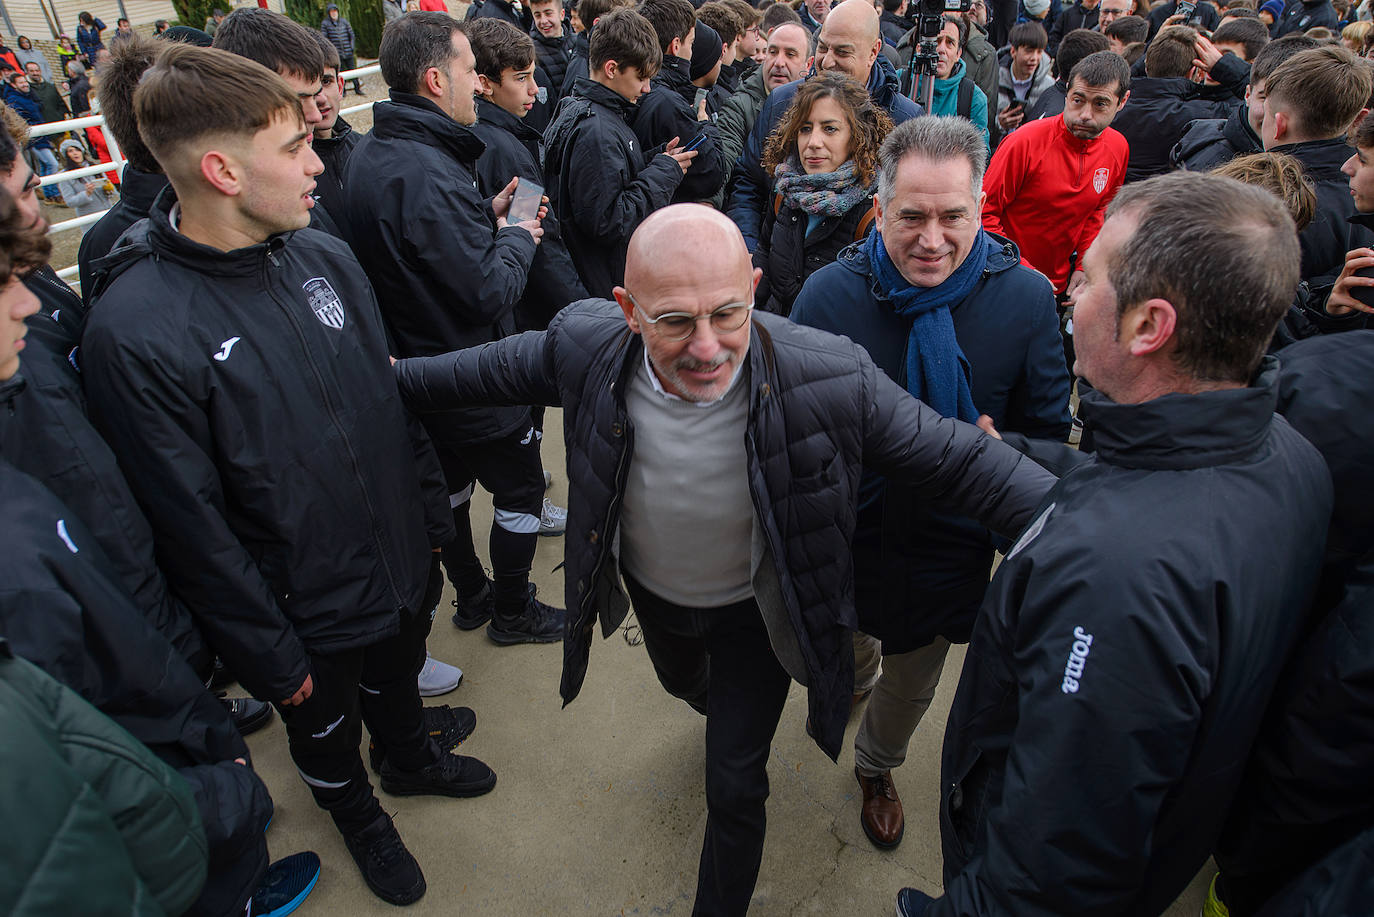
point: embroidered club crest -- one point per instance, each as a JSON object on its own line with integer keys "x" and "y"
{"x": 1100, "y": 180}
{"x": 324, "y": 302}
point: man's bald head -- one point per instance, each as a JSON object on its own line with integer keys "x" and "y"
{"x": 683, "y": 243}
{"x": 850, "y": 41}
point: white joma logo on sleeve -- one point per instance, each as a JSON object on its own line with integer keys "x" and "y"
{"x": 1078, "y": 660}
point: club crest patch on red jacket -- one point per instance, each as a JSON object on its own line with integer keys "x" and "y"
{"x": 1100, "y": 180}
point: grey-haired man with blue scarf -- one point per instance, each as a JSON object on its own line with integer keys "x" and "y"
{"x": 948, "y": 311}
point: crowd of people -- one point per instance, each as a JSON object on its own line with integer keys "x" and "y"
{"x": 822, "y": 356}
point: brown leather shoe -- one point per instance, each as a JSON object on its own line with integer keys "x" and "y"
{"x": 882, "y": 810}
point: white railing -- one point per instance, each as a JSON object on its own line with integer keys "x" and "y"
{"x": 117, "y": 159}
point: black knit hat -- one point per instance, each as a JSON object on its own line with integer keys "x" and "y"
{"x": 705, "y": 50}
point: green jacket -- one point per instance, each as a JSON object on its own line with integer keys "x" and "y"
{"x": 95, "y": 823}
{"x": 734, "y": 122}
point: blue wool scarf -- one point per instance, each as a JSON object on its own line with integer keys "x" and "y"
{"x": 937, "y": 372}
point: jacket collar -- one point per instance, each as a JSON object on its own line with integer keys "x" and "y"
{"x": 1162, "y": 87}
{"x": 1180, "y": 432}
{"x": 854, "y": 259}
{"x": 593, "y": 91}
{"x": 1240, "y": 134}
{"x": 675, "y": 74}
{"x": 1072, "y": 141}
{"x": 496, "y": 116}
{"x": 411, "y": 117}
{"x": 157, "y": 237}
{"x": 342, "y": 130}
{"x": 1321, "y": 159}
{"x": 558, "y": 44}
{"x": 138, "y": 190}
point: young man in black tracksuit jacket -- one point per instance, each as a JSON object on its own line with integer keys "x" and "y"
{"x": 600, "y": 179}
{"x": 1120, "y": 666}
{"x": 334, "y": 138}
{"x": 294, "y": 508}
{"x": 449, "y": 271}
{"x": 667, "y": 111}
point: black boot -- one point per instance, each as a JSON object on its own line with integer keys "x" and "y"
{"x": 387, "y": 866}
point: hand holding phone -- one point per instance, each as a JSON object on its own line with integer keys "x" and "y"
{"x": 524, "y": 205}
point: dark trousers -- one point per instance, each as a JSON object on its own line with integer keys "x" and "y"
{"x": 720, "y": 662}
{"x": 511, "y": 470}
{"x": 376, "y": 684}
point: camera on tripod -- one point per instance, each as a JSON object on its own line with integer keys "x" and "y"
{"x": 924, "y": 58}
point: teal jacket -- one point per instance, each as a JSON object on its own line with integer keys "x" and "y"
{"x": 946, "y": 101}
{"x": 96, "y": 824}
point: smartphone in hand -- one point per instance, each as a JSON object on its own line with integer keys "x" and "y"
{"x": 524, "y": 205}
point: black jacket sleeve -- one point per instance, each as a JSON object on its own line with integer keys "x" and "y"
{"x": 161, "y": 436}
{"x": 516, "y": 370}
{"x": 605, "y": 200}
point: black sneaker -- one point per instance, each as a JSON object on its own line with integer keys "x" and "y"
{"x": 448, "y": 726}
{"x": 536, "y": 623}
{"x": 473, "y": 612}
{"x": 387, "y": 866}
{"x": 248, "y": 715}
{"x": 287, "y": 883}
{"x": 451, "y": 775}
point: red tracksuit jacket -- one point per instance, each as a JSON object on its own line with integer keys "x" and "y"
{"x": 1048, "y": 191}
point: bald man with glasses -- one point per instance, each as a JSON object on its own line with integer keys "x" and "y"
{"x": 714, "y": 454}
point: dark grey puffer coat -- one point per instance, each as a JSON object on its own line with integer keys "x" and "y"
{"x": 819, "y": 411}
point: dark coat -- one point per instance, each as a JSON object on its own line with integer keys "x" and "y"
{"x": 445, "y": 276}
{"x": 1330, "y": 235}
{"x": 789, "y": 254}
{"x": 137, "y": 191}
{"x": 1307, "y": 787}
{"x": 734, "y": 122}
{"x": 750, "y": 186}
{"x": 920, "y": 572}
{"x": 249, "y": 406}
{"x": 1120, "y": 665}
{"x": 88, "y": 38}
{"x": 602, "y": 182}
{"x": 1212, "y": 142}
{"x": 1205, "y": 13}
{"x": 1161, "y": 108}
{"x": 334, "y": 151}
{"x": 1299, "y": 16}
{"x": 1340, "y": 885}
{"x": 50, "y": 101}
{"x": 553, "y": 55}
{"x": 338, "y": 33}
{"x": 513, "y": 12}
{"x": 578, "y": 66}
{"x": 63, "y": 609}
{"x": 1070, "y": 18}
{"x": 666, "y": 112}
{"x": 819, "y": 410}
{"x": 894, "y": 27}
{"x": 513, "y": 148}
{"x": 27, "y": 106}
{"x": 44, "y": 432}
{"x": 1050, "y": 104}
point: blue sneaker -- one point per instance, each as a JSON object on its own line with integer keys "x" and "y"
{"x": 912, "y": 902}
{"x": 288, "y": 882}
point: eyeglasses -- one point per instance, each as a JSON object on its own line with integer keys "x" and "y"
{"x": 753, "y": 30}
{"x": 679, "y": 326}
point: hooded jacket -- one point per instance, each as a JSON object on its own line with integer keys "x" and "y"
{"x": 1307, "y": 786}
{"x": 62, "y": 609}
{"x": 1331, "y": 233}
{"x": 920, "y": 572}
{"x": 750, "y": 187}
{"x": 1212, "y": 142}
{"x": 137, "y": 191}
{"x": 1120, "y": 664}
{"x": 513, "y": 149}
{"x": 1161, "y": 108}
{"x": 666, "y": 112}
{"x": 803, "y": 476}
{"x": 945, "y": 100}
{"x": 334, "y": 151}
{"x": 1041, "y": 80}
{"x": 129, "y": 834}
{"x": 981, "y": 59}
{"x": 602, "y": 181}
{"x": 1074, "y": 16}
{"x": 1048, "y": 191}
{"x": 445, "y": 276}
{"x": 337, "y": 32}
{"x": 249, "y": 406}
{"x": 734, "y": 122}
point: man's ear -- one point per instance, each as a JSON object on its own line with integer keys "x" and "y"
{"x": 1149, "y": 327}
{"x": 622, "y": 297}
{"x": 434, "y": 82}
{"x": 674, "y": 47}
{"x": 222, "y": 172}
{"x": 483, "y": 85}
{"x": 1283, "y": 125}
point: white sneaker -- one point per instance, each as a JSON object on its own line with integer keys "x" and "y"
{"x": 554, "y": 519}
{"x": 438, "y": 677}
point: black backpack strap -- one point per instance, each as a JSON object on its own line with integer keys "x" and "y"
{"x": 964, "y": 108}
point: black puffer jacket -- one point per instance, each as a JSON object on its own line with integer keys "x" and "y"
{"x": 1308, "y": 786}
{"x": 334, "y": 151}
{"x": 513, "y": 12}
{"x": 1212, "y": 142}
{"x": 44, "y": 432}
{"x": 513, "y": 149}
{"x": 445, "y": 276}
{"x": 1331, "y": 234}
{"x": 1120, "y": 665}
{"x": 1340, "y": 885}
{"x": 1073, "y": 16}
{"x": 602, "y": 182}
{"x": 788, "y": 253}
{"x": 666, "y": 112}
{"x": 553, "y": 55}
{"x": 250, "y": 407}
{"x": 137, "y": 191}
{"x": 62, "y": 609}
{"x": 819, "y": 411}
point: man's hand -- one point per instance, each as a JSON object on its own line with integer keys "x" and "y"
{"x": 682, "y": 157}
{"x": 1010, "y": 118}
{"x": 1207, "y": 54}
{"x": 985, "y": 424}
{"x": 1076, "y": 281}
{"x": 300, "y": 697}
{"x": 1341, "y": 301}
{"x": 701, "y": 111}
{"x": 500, "y": 205}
